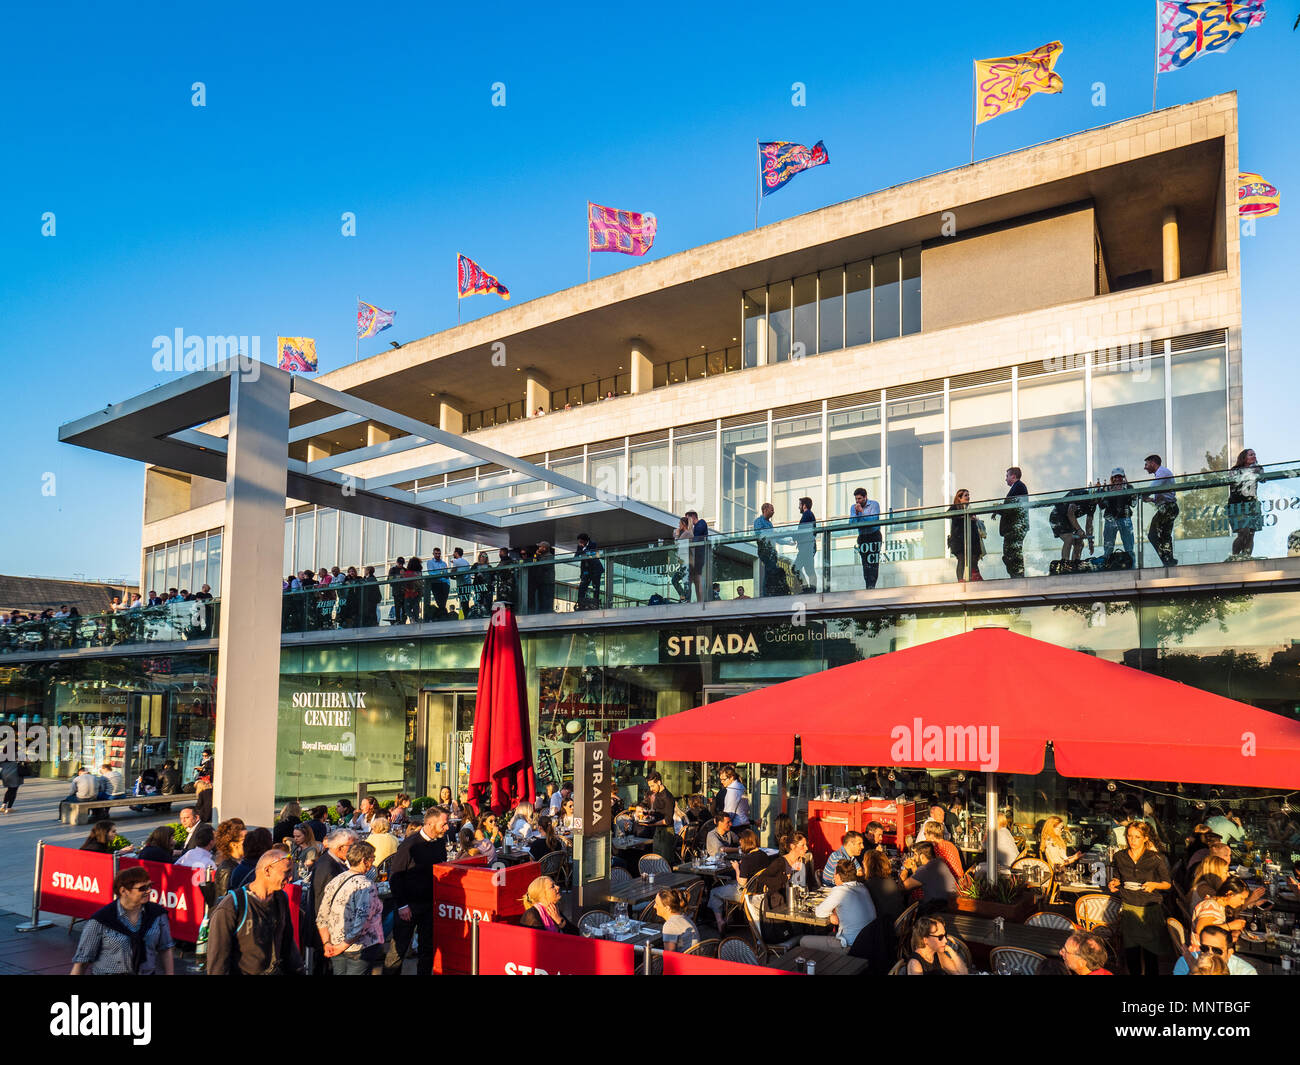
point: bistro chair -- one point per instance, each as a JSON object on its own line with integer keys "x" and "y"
{"x": 619, "y": 876}
{"x": 963, "y": 951}
{"x": 738, "y": 949}
{"x": 705, "y": 948}
{"x": 654, "y": 863}
{"x": 764, "y": 948}
{"x": 1036, "y": 871}
{"x": 694, "y": 897}
{"x": 1094, "y": 911}
{"x": 903, "y": 927}
{"x": 593, "y": 919}
{"x": 899, "y": 968}
{"x": 647, "y": 913}
{"x": 692, "y": 841}
{"x": 1177, "y": 935}
{"x": 1015, "y": 961}
{"x": 1047, "y": 919}
{"x": 556, "y": 866}
{"x": 656, "y": 962}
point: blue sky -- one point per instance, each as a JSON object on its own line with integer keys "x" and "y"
{"x": 225, "y": 219}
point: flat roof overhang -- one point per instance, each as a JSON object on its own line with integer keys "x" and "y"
{"x": 689, "y": 302}
{"x": 163, "y": 427}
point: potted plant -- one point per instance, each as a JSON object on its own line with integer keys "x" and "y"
{"x": 1007, "y": 898}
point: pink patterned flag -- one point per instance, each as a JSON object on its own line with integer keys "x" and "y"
{"x": 630, "y": 232}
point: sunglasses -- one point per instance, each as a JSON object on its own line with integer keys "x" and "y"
{"x": 938, "y": 935}
{"x": 141, "y": 887}
{"x": 1213, "y": 950}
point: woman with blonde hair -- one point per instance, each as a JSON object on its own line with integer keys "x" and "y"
{"x": 542, "y": 908}
{"x": 523, "y": 823}
{"x": 384, "y": 842}
{"x": 1141, "y": 878}
{"x": 1208, "y": 875}
{"x": 1052, "y": 847}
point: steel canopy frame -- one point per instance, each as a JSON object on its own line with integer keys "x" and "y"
{"x": 185, "y": 409}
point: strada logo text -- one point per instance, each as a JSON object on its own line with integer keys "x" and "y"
{"x": 945, "y": 744}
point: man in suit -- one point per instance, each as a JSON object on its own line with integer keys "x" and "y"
{"x": 1013, "y": 524}
{"x": 190, "y": 822}
{"x": 412, "y": 889}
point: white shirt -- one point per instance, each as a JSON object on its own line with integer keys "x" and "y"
{"x": 196, "y": 858}
{"x": 460, "y": 562}
{"x": 735, "y": 803}
{"x": 853, "y": 904}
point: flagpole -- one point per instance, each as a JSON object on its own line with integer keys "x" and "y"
{"x": 588, "y": 240}
{"x": 1155, "y": 72}
{"x": 356, "y": 340}
{"x": 458, "y": 258}
{"x": 974, "y": 95}
{"x": 758, "y": 179}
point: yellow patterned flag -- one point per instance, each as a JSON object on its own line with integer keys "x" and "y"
{"x": 1004, "y": 84}
{"x": 1257, "y": 198}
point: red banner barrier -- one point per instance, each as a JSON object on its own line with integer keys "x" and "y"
{"x": 511, "y": 950}
{"x": 693, "y": 965}
{"x": 75, "y": 883}
{"x": 294, "y": 894}
{"x": 469, "y": 889}
{"x": 175, "y": 888}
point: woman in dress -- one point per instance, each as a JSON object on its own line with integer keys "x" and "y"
{"x": 1244, "y": 513}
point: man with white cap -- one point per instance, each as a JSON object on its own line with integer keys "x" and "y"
{"x": 1117, "y": 511}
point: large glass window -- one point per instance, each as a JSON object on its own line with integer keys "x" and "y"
{"x": 695, "y": 465}
{"x": 911, "y": 291}
{"x": 885, "y": 297}
{"x": 915, "y": 427}
{"x": 327, "y": 532}
{"x": 796, "y": 466}
{"x": 805, "y": 315}
{"x": 1052, "y": 445}
{"x": 830, "y": 311}
{"x": 350, "y": 541}
{"x": 401, "y": 539}
{"x": 304, "y": 554}
{"x": 1200, "y": 413}
{"x": 184, "y": 575}
{"x": 606, "y": 471}
{"x": 289, "y": 566}
{"x": 980, "y": 431}
{"x": 214, "y": 563}
{"x": 1128, "y": 413}
{"x": 854, "y": 456}
{"x": 200, "y": 564}
{"x": 753, "y": 310}
{"x": 778, "y": 322}
{"x": 375, "y": 547}
{"x": 745, "y": 482}
{"x": 173, "y": 567}
{"x": 648, "y": 475}
{"x": 857, "y": 304}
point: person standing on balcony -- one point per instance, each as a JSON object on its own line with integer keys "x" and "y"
{"x": 1117, "y": 512}
{"x": 368, "y": 598}
{"x": 591, "y": 570}
{"x": 542, "y": 579}
{"x": 1244, "y": 515}
{"x": 1013, "y": 523}
{"x": 774, "y": 581}
{"x": 683, "y": 539}
{"x": 506, "y": 587}
{"x": 482, "y": 579}
{"x": 460, "y": 568}
{"x": 805, "y": 559}
{"x": 699, "y": 553}
{"x": 439, "y": 585}
{"x": 397, "y": 590}
{"x": 1160, "y": 534}
{"x": 870, "y": 540}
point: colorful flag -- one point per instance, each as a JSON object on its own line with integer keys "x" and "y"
{"x": 1188, "y": 31}
{"x": 371, "y": 320}
{"x": 1256, "y": 198}
{"x": 296, "y": 354}
{"x": 473, "y": 280}
{"x": 779, "y": 161}
{"x": 1004, "y": 84}
{"x": 609, "y": 229}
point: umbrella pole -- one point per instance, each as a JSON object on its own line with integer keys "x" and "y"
{"x": 990, "y": 826}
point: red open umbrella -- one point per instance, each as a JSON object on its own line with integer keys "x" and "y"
{"x": 987, "y": 700}
{"x": 501, "y": 767}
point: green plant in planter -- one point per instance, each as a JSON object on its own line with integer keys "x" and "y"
{"x": 118, "y": 842}
{"x": 178, "y": 833}
{"x": 978, "y": 889}
{"x": 388, "y": 805}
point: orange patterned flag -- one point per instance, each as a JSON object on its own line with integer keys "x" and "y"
{"x": 1004, "y": 84}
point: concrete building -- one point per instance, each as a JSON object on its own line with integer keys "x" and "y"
{"x": 1067, "y": 309}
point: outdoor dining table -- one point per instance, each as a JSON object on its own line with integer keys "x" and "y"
{"x": 827, "y": 962}
{"x": 638, "y": 933}
{"x": 722, "y": 871}
{"x": 803, "y": 912}
{"x": 513, "y": 855}
{"x": 983, "y": 931}
{"x": 641, "y": 890}
{"x": 629, "y": 843}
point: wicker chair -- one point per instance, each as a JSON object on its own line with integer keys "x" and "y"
{"x": 738, "y": 949}
{"x": 705, "y": 948}
{"x": 1015, "y": 961}
{"x": 1047, "y": 919}
{"x": 694, "y": 897}
{"x": 556, "y": 866}
{"x": 619, "y": 876}
{"x": 903, "y": 928}
{"x": 899, "y": 968}
{"x": 593, "y": 919}
{"x": 653, "y": 863}
{"x": 963, "y": 951}
{"x": 1176, "y": 935}
{"x": 767, "y": 950}
{"x": 1038, "y": 872}
{"x": 1095, "y": 911}
{"x": 656, "y": 963}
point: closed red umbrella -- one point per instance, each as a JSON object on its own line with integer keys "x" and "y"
{"x": 501, "y": 767}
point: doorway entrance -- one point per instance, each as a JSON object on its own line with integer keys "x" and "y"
{"x": 439, "y": 741}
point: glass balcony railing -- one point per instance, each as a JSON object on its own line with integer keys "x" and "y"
{"x": 170, "y": 623}
{"x": 1197, "y": 520}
